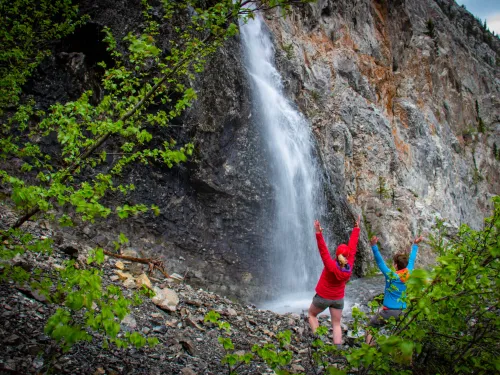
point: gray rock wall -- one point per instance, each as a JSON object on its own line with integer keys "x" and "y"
{"x": 388, "y": 101}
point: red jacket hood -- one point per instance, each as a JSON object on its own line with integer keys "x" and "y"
{"x": 342, "y": 249}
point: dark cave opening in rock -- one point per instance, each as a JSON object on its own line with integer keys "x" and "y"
{"x": 88, "y": 39}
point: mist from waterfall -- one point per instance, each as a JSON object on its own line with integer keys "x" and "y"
{"x": 295, "y": 177}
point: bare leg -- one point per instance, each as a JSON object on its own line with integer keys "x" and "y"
{"x": 337, "y": 329}
{"x": 313, "y": 317}
{"x": 369, "y": 339}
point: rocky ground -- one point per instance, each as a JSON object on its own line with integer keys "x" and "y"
{"x": 188, "y": 345}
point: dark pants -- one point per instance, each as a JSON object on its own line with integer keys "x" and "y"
{"x": 323, "y": 303}
{"x": 382, "y": 316}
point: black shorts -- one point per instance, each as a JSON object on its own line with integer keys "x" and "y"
{"x": 382, "y": 316}
{"x": 323, "y": 303}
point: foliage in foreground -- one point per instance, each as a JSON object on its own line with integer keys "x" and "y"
{"x": 94, "y": 140}
{"x": 451, "y": 325}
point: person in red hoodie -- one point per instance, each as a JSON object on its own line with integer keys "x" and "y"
{"x": 331, "y": 284}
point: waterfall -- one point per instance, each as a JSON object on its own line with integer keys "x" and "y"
{"x": 295, "y": 176}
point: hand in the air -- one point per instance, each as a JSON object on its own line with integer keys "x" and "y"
{"x": 317, "y": 226}
{"x": 356, "y": 225}
{"x": 373, "y": 240}
{"x": 418, "y": 240}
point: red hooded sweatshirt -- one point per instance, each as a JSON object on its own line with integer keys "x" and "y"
{"x": 332, "y": 282}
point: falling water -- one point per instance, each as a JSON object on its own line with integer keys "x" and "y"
{"x": 295, "y": 176}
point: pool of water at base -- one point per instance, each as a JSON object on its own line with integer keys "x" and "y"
{"x": 358, "y": 293}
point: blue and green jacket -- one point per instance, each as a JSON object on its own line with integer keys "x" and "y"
{"x": 395, "y": 281}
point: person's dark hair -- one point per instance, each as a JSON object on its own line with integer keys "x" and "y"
{"x": 401, "y": 260}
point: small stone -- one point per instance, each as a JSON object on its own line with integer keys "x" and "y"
{"x": 129, "y": 283}
{"x": 192, "y": 323}
{"x": 171, "y": 323}
{"x": 145, "y": 330}
{"x": 231, "y": 312}
{"x": 129, "y": 252}
{"x": 136, "y": 269}
{"x": 119, "y": 264}
{"x": 143, "y": 280}
{"x": 160, "y": 329}
{"x": 34, "y": 294}
{"x": 298, "y": 368}
{"x": 176, "y": 277}
{"x": 268, "y": 333}
{"x": 130, "y": 321}
{"x": 165, "y": 299}
{"x": 188, "y": 346}
{"x": 114, "y": 277}
{"x": 123, "y": 275}
{"x": 38, "y": 362}
{"x": 188, "y": 371}
{"x": 99, "y": 371}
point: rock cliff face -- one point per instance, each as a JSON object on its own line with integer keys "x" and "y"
{"x": 394, "y": 105}
{"x": 393, "y": 110}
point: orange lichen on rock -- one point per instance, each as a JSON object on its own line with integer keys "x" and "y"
{"x": 381, "y": 78}
{"x": 322, "y": 43}
{"x": 401, "y": 114}
{"x": 381, "y": 27}
{"x": 402, "y": 147}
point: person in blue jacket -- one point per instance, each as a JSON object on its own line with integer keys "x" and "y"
{"x": 395, "y": 287}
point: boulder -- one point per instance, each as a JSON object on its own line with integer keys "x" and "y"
{"x": 143, "y": 280}
{"x": 129, "y": 321}
{"x": 129, "y": 283}
{"x": 165, "y": 299}
{"x": 124, "y": 275}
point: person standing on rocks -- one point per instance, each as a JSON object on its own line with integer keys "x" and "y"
{"x": 393, "y": 304}
{"x": 331, "y": 284}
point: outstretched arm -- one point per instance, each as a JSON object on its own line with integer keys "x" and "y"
{"x": 353, "y": 243}
{"x": 329, "y": 263}
{"x": 324, "y": 253}
{"x": 378, "y": 258}
{"x": 413, "y": 254}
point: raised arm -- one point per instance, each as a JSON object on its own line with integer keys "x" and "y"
{"x": 413, "y": 253}
{"x": 324, "y": 253}
{"x": 353, "y": 243}
{"x": 329, "y": 263}
{"x": 378, "y": 258}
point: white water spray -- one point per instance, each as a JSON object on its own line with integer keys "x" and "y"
{"x": 295, "y": 176}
